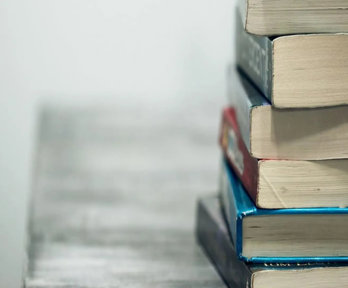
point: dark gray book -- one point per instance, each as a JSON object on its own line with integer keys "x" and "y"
{"x": 286, "y": 134}
{"x": 212, "y": 234}
{"x": 295, "y": 71}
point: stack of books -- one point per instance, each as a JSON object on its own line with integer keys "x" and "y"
{"x": 281, "y": 216}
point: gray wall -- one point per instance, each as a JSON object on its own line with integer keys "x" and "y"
{"x": 84, "y": 51}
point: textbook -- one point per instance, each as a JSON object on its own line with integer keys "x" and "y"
{"x": 296, "y": 71}
{"x": 276, "y": 184}
{"x": 299, "y": 235}
{"x": 287, "y": 134}
{"x": 212, "y": 234}
{"x": 278, "y": 17}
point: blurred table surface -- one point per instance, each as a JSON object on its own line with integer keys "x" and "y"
{"x": 115, "y": 192}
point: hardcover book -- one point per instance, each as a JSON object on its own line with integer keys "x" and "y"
{"x": 297, "y": 71}
{"x": 287, "y": 134}
{"x": 212, "y": 234}
{"x": 279, "y": 17}
{"x": 276, "y": 184}
{"x": 298, "y": 235}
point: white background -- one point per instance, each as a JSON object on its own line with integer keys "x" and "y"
{"x": 85, "y": 51}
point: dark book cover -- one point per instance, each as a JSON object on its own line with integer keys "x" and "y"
{"x": 243, "y": 97}
{"x": 212, "y": 235}
{"x": 254, "y": 57}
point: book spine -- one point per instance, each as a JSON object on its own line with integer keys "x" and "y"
{"x": 238, "y": 99}
{"x": 254, "y": 57}
{"x": 236, "y": 204}
{"x": 229, "y": 207}
{"x": 243, "y": 97}
{"x": 244, "y": 165}
{"x": 212, "y": 234}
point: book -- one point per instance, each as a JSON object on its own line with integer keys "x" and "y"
{"x": 276, "y": 184}
{"x": 213, "y": 236}
{"x": 297, "y": 235}
{"x": 287, "y": 134}
{"x": 279, "y": 17}
{"x": 296, "y": 71}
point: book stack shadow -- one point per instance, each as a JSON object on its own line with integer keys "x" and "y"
{"x": 280, "y": 218}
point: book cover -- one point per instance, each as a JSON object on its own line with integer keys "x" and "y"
{"x": 243, "y": 97}
{"x": 233, "y": 146}
{"x": 238, "y": 205}
{"x": 212, "y": 234}
{"x": 254, "y": 57}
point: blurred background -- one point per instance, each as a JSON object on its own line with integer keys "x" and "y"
{"x": 156, "y": 54}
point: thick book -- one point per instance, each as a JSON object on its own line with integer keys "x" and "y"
{"x": 299, "y": 235}
{"x": 287, "y": 134}
{"x": 296, "y": 71}
{"x": 212, "y": 234}
{"x": 279, "y": 17}
{"x": 276, "y": 184}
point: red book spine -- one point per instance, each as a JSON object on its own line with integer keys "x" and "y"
{"x": 237, "y": 154}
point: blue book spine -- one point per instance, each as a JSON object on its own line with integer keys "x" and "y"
{"x": 237, "y": 205}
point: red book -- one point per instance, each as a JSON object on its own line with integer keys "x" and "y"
{"x": 278, "y": 184}
{"x": 237, "y": 154}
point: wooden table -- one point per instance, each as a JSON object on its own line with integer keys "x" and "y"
{"x": 114, "y": 196}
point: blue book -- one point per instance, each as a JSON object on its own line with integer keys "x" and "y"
{"x": 298, "y": 235}
{"x": 212, "y": 234}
